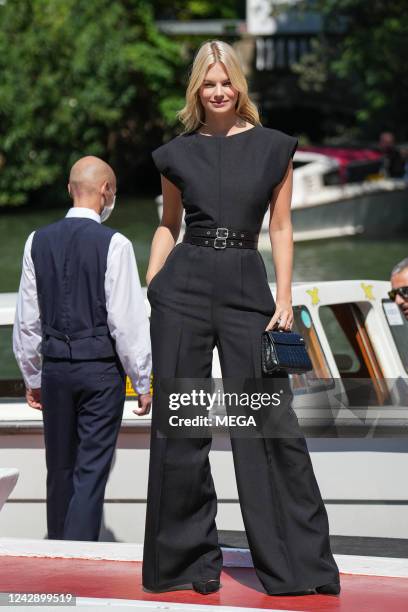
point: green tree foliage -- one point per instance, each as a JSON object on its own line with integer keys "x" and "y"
{"x": 361, "y": 53}
{"x": 79, "y": 77}
{"x": 183, "y": 10}
{"x": 373, "y": 55}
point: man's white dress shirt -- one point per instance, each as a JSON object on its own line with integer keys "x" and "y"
{"x": 127, "y": 317}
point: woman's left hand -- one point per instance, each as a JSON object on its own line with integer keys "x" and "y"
{"x": 283, "y": 316}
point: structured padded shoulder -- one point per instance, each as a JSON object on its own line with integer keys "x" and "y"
{"x": 166, "y": 160}
{"x": 283, "y": 149}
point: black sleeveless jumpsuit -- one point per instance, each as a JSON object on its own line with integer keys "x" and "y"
{"x": 201, "y": 298}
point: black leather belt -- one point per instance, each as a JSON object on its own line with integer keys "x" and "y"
{"x": 221, "y": 237}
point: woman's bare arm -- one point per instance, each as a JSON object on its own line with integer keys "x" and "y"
{"x": 166, "y": 235}
{"x": 281, "y": 236}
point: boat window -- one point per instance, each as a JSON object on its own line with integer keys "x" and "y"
{"x": 332, "y": 177}
{"x": 11, "y": 382}
{"x": 363, "y": 169}
{"x": 398, "y": 325}
{"x": 320, "y": 377}
{"x": 300, "y": 163}
{"x": 357, "y": 362}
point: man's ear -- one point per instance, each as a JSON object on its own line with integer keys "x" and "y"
{"x": 104, "y": 188}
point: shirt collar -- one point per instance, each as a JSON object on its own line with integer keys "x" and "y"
{"x": 87, "y": 213}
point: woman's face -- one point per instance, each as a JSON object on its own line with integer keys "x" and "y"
{"x": 216, "y": 92}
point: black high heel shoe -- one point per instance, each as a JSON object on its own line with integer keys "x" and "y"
{"x": 207, "y": 587}
{"x": 332, "y": 588}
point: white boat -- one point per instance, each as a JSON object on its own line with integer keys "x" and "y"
{"x": 353, "y": 409}
{"x": 324, "y": 207}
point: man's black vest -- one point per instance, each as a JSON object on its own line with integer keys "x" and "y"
{"x": 70, "y": 258}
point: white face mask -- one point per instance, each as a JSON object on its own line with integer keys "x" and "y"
{"x": 106, "y": 212}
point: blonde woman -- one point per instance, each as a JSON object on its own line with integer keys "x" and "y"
{"x": 211, "y": 290}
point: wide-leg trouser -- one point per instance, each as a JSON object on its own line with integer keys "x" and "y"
{"x": 82, "y": 412}
{"x": 222, "y": 298}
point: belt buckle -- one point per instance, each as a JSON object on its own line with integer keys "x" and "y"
{"x": 221, "y": 237}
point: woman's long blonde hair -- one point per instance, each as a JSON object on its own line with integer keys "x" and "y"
{"x": 192, "y": 115}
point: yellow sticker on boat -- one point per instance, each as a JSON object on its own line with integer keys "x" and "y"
{"x": 368, "y": 291}
{"x": 314, "y": 294}
{"x": 130, "y": 392}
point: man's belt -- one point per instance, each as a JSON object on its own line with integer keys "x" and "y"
{"x": 102, "y": 330}
{"x": 221, "y": 237}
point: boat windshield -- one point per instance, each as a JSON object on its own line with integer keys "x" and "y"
{"x": 320, "y": 377}
{"x": 398, "y": 325}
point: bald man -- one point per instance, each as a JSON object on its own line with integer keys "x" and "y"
{"x": 80, "y": 325}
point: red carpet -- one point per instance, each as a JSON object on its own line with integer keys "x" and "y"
{"x": 241, "y": 587}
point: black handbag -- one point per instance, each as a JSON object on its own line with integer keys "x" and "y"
{"x": 284, "y": 350}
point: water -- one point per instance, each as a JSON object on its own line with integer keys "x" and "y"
{"x": 334, "y": 259}
{"x": 346, "y": 259}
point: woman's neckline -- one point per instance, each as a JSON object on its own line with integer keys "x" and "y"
{"x": 226, "y": 135}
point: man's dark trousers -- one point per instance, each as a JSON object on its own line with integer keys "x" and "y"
{"x": 82, "y": 412}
